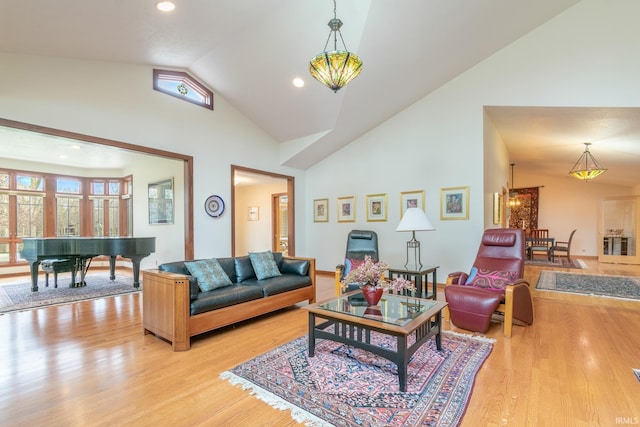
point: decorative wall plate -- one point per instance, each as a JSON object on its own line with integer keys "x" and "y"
{"x": 214, "y": 206}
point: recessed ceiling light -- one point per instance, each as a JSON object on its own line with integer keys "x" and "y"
{"x": 165, "y": 6}
{"x": 298, "y": 82}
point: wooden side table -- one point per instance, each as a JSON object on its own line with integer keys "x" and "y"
{"x": 421, "y": 279}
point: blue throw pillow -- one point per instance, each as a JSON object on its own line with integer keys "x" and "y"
{"x": 351, "y": 263}
{"x": 264, "y": 265}
{"x": 472, "y": 274}
{"x": 347, "y": 266}
{"x": 209, "y": 273}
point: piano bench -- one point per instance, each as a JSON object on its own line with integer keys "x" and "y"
{"x": 56, "y": 266}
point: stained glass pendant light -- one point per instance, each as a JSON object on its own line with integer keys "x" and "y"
{"x": 591, "y": 168}
{"x": 335, "y": 68}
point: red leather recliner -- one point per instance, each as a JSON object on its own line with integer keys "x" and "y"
{"x": 498, "y": 287}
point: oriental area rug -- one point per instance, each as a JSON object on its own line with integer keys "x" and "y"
{"x": 345, "y": 386}
{"x": 16, "y": 295}
{"x": 608, "y": 286}
{"x": 557, "y": 262}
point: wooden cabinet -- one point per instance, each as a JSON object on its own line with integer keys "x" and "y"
{"x": 619, "y": 228}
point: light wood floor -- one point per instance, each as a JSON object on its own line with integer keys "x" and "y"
{"x": 90, "y": 364}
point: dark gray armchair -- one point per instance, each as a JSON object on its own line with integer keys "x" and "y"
{"x": 360, "y": 243}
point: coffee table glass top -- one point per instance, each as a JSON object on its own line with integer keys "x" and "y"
{"x": 393, "y": 309}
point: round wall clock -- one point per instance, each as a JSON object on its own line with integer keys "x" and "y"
{"x": 214, "y": 206}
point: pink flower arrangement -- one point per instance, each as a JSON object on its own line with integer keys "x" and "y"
{"x": 373, "y": 272}
{"x": 400, "y": 284}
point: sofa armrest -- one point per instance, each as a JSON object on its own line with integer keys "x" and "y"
{"x": 298, "y": 267}
{"x": 165, "y": 299}
{"x": 194, "y": 289}
{"x": 311, "y": 272}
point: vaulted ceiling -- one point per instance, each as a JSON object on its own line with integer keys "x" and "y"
{"x": 249, "y": 51}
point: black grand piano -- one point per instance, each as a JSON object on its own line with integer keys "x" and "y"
{"x": 79, "y": 250}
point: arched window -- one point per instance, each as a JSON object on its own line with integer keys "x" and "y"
{"x": 183, "y": 86}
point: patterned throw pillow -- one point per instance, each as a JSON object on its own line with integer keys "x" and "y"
{"x": 209, "y": 273}
{"x": 264, "y": 265}
{"x": 493, "y": 280}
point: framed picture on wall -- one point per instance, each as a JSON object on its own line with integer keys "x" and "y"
{"x": 160, "y": 196}
{"x": 347, "y": 209}
{"x": 321, "y": 210}
{"x": 254, "y": 213}
{"x": 376, "y": 207}
{"x": 454, "y": 203}
{"x": 411, "y": 199}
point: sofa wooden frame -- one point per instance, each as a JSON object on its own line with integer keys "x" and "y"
{"x": 166, "y": 304}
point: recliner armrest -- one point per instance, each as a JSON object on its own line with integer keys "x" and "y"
{"x": 519, "y": 282}
{"x": 454, "y": 278}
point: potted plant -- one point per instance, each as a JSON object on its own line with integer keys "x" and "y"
{"x": 370, "y": 277}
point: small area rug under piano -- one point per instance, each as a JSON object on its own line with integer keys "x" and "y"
{"x": 16, "y": 295}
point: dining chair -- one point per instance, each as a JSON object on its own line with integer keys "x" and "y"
{"x": 563, "y": 249}
{"x": 539, "y": 242}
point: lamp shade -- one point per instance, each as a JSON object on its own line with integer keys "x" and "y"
{"x": 591, "y": 167}
{"x": 414, "y": 219}
{"x": 335, "y": 69}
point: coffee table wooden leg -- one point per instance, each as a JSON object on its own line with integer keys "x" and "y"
{"x": 312, "y": 338}
{"x": 402, "y": 362}
{"x": 439, "y": 334}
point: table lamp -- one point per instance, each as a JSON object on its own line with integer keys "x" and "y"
{"x": 414, "y": 219}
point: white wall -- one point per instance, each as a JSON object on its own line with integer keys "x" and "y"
{"x": 169, "y": 237}
{"x": 117, "y": 101}
{"x": 434, "y": 144}
{"x": 498, "y": 167}
{"x": 587, "y": 56}
{"x": 57, "y": 169}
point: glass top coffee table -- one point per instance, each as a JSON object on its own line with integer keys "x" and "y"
{"x": 349, "y": 320}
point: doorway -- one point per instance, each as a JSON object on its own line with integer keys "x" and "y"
{"x": 280, "y": 223}
{"x": 263, "y": 212}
